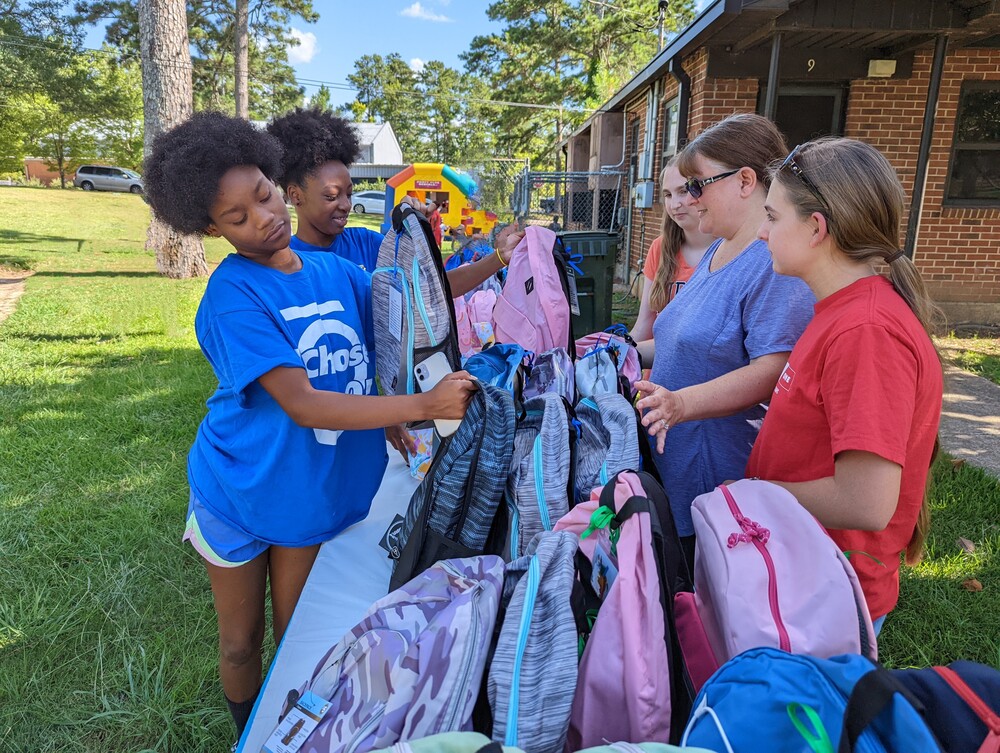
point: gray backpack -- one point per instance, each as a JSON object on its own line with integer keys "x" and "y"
{"x": 540, "y": 488}
{"x": 532, "y": 675}
{"x": 453, "y": 513}
{"x": 609, "y": 440}
{"x": 413, "y": 313}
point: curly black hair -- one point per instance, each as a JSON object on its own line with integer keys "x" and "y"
{"x": 182, "y": 173}
{"x": 310, "y": 138}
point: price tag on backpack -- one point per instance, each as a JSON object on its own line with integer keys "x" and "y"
{"x": 605, "y": 570}
{"x": 297, "y": 725}
{"x": 396, "y": 312}
{"x": 574, "y": 298}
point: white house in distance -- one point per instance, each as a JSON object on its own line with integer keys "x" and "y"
{"x": 380, "y": 156}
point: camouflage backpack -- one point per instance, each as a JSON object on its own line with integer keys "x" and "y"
{"x": 414, "y": 664}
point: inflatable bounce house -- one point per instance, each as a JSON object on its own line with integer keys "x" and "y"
{"x": 453, "y": 192}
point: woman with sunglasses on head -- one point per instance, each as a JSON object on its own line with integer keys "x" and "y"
{"x": 852, "y": 426}
{"x": 673, "y": 255}
{"x": 722, "y": 342}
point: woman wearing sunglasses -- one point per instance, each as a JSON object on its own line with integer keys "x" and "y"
{"x": 721, "y": 344}
{"x": 852, "y": 426}
{"x": 673, "y": 255}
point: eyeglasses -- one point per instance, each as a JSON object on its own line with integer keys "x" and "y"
{"x": 696, "y": 186}
{"x": 795, "y": 169}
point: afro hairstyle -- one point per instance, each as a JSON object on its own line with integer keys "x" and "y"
{"x": 312, "y": 137}
{"x": 183, "y": 170}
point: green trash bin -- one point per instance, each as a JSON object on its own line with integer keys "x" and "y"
{"x": 596, "y": 285}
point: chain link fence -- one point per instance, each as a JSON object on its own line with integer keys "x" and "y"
{"x": 496, "y": 179}
{"x": 576, "y": 200}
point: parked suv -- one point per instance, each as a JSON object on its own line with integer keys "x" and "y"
{"x": 100, "y": 178}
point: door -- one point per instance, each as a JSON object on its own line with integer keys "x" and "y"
{"x": 804, "y": 113}
{"x": 103, "y": 179}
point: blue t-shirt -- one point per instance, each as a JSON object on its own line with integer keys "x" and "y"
{"x": 251, "y": 464}
{"x": 716, "y": 324}
{"x": 356, "y": 244}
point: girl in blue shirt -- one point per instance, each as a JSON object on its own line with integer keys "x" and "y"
{"x": 291, "y": 451}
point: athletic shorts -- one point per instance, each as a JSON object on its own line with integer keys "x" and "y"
{"x": 217, "y": 541}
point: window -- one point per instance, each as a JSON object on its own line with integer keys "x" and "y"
{"x": 103, "y": 171}
{"x": 671, "y": 109}
{"x": 974, "y": 177}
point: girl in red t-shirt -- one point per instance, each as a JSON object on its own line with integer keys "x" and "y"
{"x": 852, "y": 426}
{"x": 665, "y": 273}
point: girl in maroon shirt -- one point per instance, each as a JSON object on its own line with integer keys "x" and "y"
{"x": 852, "y": 426}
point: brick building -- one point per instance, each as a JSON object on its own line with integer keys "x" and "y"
{"x": 919, "y": 79}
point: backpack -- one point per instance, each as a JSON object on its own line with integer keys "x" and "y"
{"x": 767, "y": 574}
{"x": 451, "y": 742}
{"x": 413, "y": 665}
{"x": 534, "y": 310}
{"x": 961, "y": 704}
{"x": 767, "y": 699}
{"x": 411, "y": 303}
{"x": 615, "y": 366}
{"x": 474, "y": 318}
{"x": 552, "y": 371}
{"x": 532, "y": 675}
{"x": 500, "y": 365}
{"x": 540, "y": 487}
{"x": 453, "y": 513}
{"x": 632, "y": 684}
{"x": 624, "y": 747}
{"x": 609, "y": 440}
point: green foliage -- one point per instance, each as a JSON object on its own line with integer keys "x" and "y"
{"x": 566, "y": 54}
{"x": 273, "y": 89}
{"x": 369, "y": 185}
{"x": 321, "y": 99}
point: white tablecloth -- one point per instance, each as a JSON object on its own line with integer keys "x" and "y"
{"x": 350, "y": 573}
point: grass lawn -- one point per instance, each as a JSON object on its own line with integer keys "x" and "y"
{"x": 107, "y": 633}
{"x": 980, "y": 355}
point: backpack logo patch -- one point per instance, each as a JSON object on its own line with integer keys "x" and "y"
{"x": 390, "y": 539}
{"x": 529, "y": 285}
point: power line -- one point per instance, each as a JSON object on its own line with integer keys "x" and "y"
{"x": 339, "y": 86}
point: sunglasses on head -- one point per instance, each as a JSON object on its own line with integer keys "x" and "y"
{"x": 696, "y": 186}
{"x": 795, "y": 169}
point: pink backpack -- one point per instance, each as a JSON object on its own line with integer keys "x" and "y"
{"x": 629, "y": 684}
{"x": 623, "y": 356}
{"x": 767, "y": 574}
{"x": 477, "y": 310}
{"x": 534, "y": 308}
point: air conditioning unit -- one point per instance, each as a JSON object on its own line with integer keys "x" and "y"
{"x": 644, "y": 194}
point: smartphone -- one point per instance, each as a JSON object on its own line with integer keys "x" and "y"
{"x": 428, "y": 373}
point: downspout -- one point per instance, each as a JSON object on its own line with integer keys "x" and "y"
{"x": 683, "y": 98}
{"x": 771, "y": 101}
{"x": 920, "y": 179}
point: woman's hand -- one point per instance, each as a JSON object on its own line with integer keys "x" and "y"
{"x": 660, "y": 409}
{"x": 507, "y": 240}
{"x": 450, "y": 397}
{"x": 417, "y": 204}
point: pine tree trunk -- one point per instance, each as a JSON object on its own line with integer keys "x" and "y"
{"x": 167, "y": 99}
{"x": 242, "y": 91}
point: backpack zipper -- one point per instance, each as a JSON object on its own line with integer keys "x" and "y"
{"x": 543, "y": 509}
{"x": 514, "y": 701}
{"x": 365, "y": 729}
{"x": 454, "y": 721}
{"x": 757, "y": 535}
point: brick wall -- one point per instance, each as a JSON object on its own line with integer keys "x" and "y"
{"x": 957, "y": 250}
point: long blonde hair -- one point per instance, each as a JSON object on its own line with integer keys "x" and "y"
{"x": 671, "y": 240}
{"x": 862, "y": 200}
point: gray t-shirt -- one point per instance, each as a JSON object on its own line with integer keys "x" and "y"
{"x": 716, "y": 324}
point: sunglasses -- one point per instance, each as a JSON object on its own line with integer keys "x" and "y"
{"x": 795, "y": 169}
{"x": 696, "y": 186}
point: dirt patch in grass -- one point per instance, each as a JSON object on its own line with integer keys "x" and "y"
{"x": 11, "y": 288}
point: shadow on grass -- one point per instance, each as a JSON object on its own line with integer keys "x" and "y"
{"x": 94, "y": 493}
{"x": 20, "y": 236}
{"x": 96, "y": 337}
{"x": 98, "y": 274}
{"x": 15, "y": 262}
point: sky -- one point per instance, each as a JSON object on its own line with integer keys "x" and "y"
{"x": 419, "y": 30}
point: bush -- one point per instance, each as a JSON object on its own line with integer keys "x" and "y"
{"x": 370, "y": 185}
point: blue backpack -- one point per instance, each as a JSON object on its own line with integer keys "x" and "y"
{"x": 961, "y": 702}
{"x": 501, "y": 365}
{"x": 766, "y": 699}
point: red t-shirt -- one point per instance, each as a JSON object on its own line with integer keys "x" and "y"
{"x": 863, "y": 376}
{"x": 435, "y": 220}
{"x": 684, "y": 270}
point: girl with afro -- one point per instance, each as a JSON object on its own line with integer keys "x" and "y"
{"x": 291, "y": 451}
{"x": 319, "y": 148}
